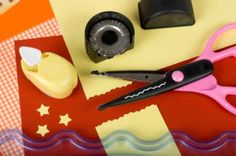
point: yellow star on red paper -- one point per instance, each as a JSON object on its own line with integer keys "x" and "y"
{"x": 65, "y": 119}
{"x": 42, "y": 130}
{"x": 43, "y": 110}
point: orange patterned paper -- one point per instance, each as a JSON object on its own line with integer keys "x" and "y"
{"x": 24, "y": 15}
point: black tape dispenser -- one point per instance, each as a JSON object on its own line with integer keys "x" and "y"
{"x": 108, "y": 34}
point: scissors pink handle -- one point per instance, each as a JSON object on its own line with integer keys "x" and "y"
{"x": 210, "y": 54}
{"x": 208, "y": 85}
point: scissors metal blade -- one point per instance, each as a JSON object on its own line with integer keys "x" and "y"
{"x": 172, "y": 80}
{"x": 140, "y": 76}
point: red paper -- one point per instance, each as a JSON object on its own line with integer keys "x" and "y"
{"x": 197, "y": 115}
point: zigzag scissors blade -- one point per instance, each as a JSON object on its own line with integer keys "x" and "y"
{"x": 172, "y": 80}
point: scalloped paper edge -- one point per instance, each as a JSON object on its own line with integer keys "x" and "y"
{"x": 131, "y": 114}
{"x": 130, "y": 83}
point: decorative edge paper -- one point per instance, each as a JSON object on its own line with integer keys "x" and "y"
{"x": 146, "y": 124}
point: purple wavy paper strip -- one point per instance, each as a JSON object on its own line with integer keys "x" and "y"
{"x": 84, "y": 144}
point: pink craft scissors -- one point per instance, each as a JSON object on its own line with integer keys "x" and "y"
{"x": 180, "y": 79}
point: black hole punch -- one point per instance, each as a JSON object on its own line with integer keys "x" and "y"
{"x": 109, "y": 37}
{"x": 146, "y": 77}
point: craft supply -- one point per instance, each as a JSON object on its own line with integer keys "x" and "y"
{"x": 142, "y": 76}
{"x": 165, "y": 13}
{"x": 174, "y": 106}
{"x": 57, "y": 118}
{"x": 171, "y": 80}
{"x": 187, "y": 144}
{"x": 43, "y": 110}
{"x": 9, "y": 100}
{"x": 52, "y": 74}
{"x": 138, "y": 124}
{"x": 108, "y": 34}
{"x": 201, "y": 69}
{"x": 168, "y": 46}
{"x": 7, "y": 4}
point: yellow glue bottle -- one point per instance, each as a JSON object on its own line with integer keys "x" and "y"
{"x": 49, "y": 72}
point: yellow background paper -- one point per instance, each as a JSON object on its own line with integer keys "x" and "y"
{"x": 153, "y": 49}
{"x": 147, "y": 125}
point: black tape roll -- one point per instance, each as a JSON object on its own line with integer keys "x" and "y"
{"x": 108, "y": 34}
